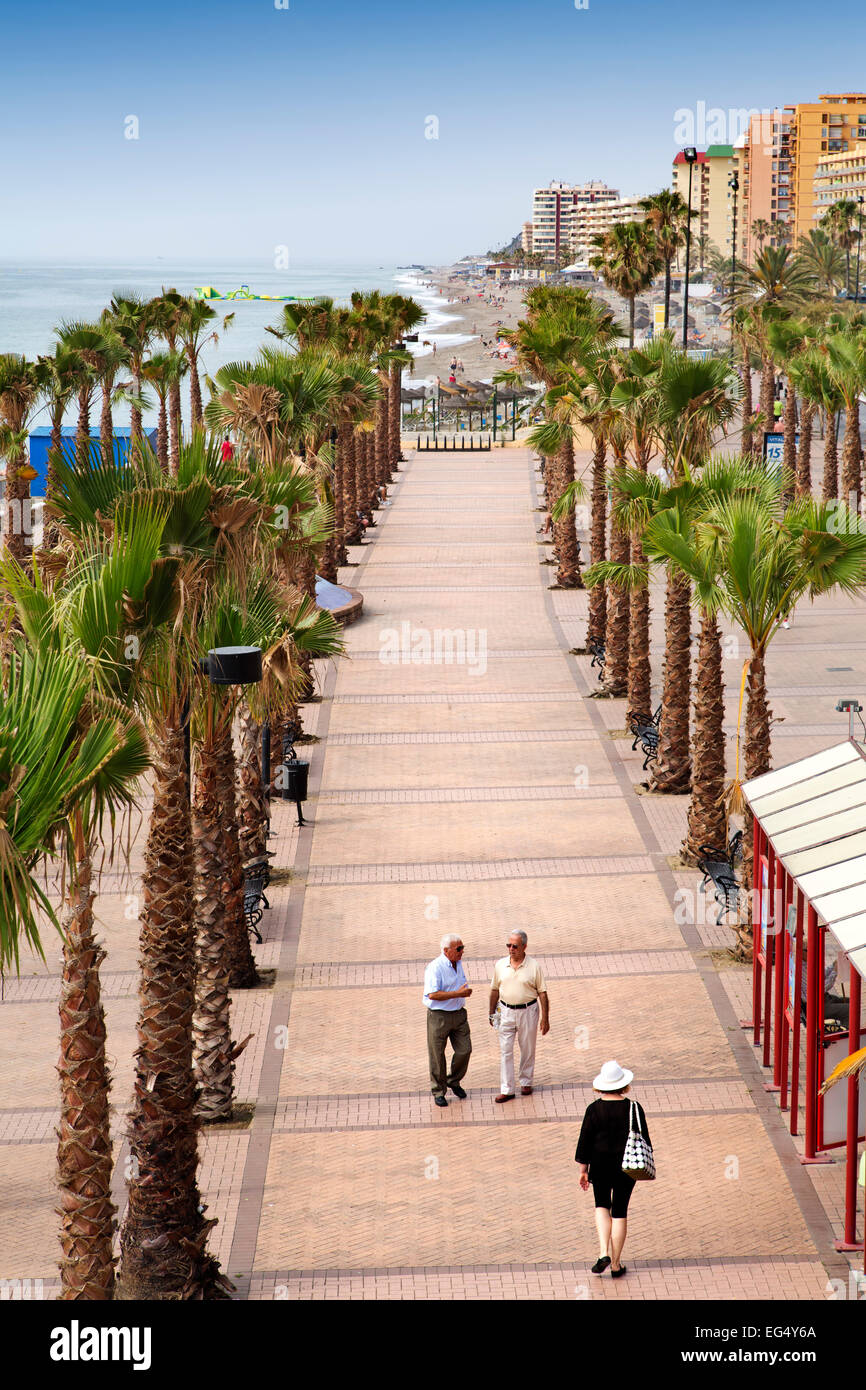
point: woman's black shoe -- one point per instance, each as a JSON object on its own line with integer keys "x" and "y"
{"x": 618, "y": 1273}
{"x": 601, "y": 1264}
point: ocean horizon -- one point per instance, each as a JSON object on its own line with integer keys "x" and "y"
{"x": 37, "y": 296}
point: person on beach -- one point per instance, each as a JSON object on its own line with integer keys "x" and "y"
{"x": 599, "y": 1155}
{"x": 227, "y": 452}
{"x": 459, "y": 364}
{"x": 519, "y": 991}
{"x": 445, "y": 990}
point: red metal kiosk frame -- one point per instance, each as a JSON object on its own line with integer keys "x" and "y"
{"x": 785, "y": 923}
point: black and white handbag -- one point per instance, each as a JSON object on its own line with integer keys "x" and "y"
{"x": 637, "y": 1161}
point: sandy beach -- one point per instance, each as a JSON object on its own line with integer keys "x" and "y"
{"x": 476, "y": 309}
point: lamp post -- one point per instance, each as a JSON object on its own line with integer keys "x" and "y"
{"x": 733, "y": 185}
{"x": 859, "y": 243}
{"x": 690, "y": 155}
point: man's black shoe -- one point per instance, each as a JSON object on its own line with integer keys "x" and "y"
{"x": 439, "y": 1100}
{"x": 459, "y": 1092}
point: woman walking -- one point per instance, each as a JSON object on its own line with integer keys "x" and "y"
{"x": 599, "y": 1155}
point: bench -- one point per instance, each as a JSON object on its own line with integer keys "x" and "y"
{"x": 647, "y": 735}
{"x": 596, "y": 651}
{"x": 257, "y": 876}
{"x": 717, "y": 867}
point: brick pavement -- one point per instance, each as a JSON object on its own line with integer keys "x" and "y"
{"x": 340, "y": 1188}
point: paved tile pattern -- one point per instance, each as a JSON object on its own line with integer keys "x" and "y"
{"x": 340, "y": 1189}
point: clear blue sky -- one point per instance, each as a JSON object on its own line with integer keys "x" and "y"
{"x": 305, "y": 126}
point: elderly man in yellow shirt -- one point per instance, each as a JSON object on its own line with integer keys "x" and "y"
{"x": 519, "y": 989}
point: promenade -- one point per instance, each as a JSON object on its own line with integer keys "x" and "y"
{"x": 474, "y": 797}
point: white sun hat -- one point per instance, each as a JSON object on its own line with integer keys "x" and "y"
{"x": 613, "y": 1077}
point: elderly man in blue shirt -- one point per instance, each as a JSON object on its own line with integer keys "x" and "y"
{"x": 445, "y": 989}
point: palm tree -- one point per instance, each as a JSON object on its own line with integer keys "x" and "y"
{"x": 816, "y": 384}
{"x": 778, "y": 284}
{"x": 768, "y": 562}
{"x": 788, "y": 340}
{"x": 691, "y": 403}
{"x": 215, "y": 524}
{"x": 195, "y": 335}
{"x": 133, "y": 320}
{"x": 19, "y": 387}
{"x": 628, "y": 258}
{"x": 761, "y": 229}
{"x": 163, "y": 371}
{"x": 667, "y": 214}
{"x": 57, "y": 379}
{"x": 845, "y": 349}
{"x": 841, "y": 221}
{"x": 822, "y": 257}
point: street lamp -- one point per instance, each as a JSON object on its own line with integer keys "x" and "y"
{"x": 859, "y": 243}
{"x": 690, "y": 155}
{"x": 733, "y": 185}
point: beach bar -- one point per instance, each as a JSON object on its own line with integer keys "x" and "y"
{"x": 809, "y": 925}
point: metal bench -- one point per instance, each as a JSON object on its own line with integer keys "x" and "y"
{"x": 717, "y": 867}
{"x": 646, "y": 733}
{"x": 257, "y": 876}
{"x": 596, "y": 650}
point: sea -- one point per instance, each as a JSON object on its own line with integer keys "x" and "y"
{"x": 36, "y": 297}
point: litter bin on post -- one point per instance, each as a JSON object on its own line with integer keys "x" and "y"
{"x": 294, "y": 773}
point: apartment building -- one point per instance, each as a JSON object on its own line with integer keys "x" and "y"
{"x": 841, "y": 176}
{"x": 552, "y": 213}
{"x": 831, "y": 125}
{"x": 765, "y": 178}
{"x": 594, "y": 219}
{"x": 526, "y": 237}
{"x": 712, "y": 197}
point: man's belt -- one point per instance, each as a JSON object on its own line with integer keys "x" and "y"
{"x": 519, "y": 1006}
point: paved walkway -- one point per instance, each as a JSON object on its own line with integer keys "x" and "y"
{"x": 479, "y": 797}
{"x": 476, "y": 797}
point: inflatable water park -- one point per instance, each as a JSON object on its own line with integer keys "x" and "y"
{"x": 208, "y": 292}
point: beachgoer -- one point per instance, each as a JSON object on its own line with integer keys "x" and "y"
{"x": 227, "y": 452}
{"x": 518, "y": 988}
{"x": 434, "y": 349}
{"x": 445, "y": 990}
{"x": 599, "y": 1155}
{"x": 459, "y": 364}
{"x": 453, "y": 364}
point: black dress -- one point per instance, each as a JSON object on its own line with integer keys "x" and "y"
{"x": 601, "y": 1146}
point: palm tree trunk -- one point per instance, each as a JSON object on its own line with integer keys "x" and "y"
{"x": 370, "y": 500}
{"x": 804, "y": 451}
{"x": 671, "y": 771}
{"x": 251, "y": 799}
{"x": 830, "y": 488}
{"x": 396, "y": 392}
{"x": 851, "y": 455}
{"x": 87, "y": 1213}
{"x": 667, "y": 291}
{"x": 213, "y": 1051}
{"x": 598, "y": 544}
{"x": 106, "y": 423}
{"x": 195, "y": 406}
{"x": 383, "y": 444}
{"x": 707, "y": 824}
{"x": 767, "y": 400}
{"x": 789, "y": 428}
{"x": 82, "y": 437}
{"x": 162, "y": 434}
{"x": 618, "y": 617}
{"x": 17, "y": 506}
{"x": 748, "y": 406}
{"x": 631, "y": 321}
{"x": 51, "y": 536}
{"x": 568, "y": 575}
{"x": 757, "y": 762}
{"x": 174, "y": 426}
{"x": 135, "y": 412}
{"x": 240, "y": 962}
{"x": 339, "y": 542}
{"x": 347, "y": 445}
{"x": 639, "y": 697}
{"x": 164, "y": 1237}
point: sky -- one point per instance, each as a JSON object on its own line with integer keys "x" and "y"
{"x": 365, "y": 130}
